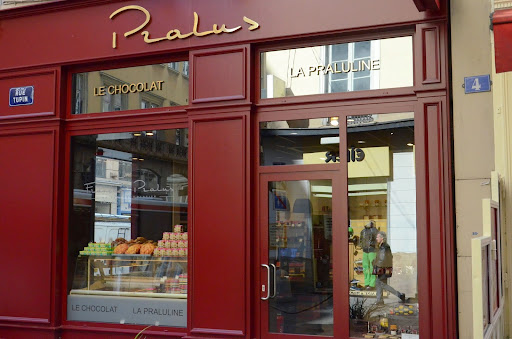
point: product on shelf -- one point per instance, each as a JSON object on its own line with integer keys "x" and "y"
{"x": 121, "y": 248}
{"x": 147, "y": 248}
{"x": 134, "y": 249}
{"x": 97, "y": 249}
{"x": 173, "y": 244}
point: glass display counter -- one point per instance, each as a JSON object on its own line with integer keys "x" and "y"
{"x": 129, "y": 289}
{"x": 131, "y": 275}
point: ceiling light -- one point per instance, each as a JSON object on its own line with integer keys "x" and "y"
{"x": 137, "y": 134}
{"x": 410, "y": 144}
{"x": 361, "y": 142}
{"x": 150, "y": 133}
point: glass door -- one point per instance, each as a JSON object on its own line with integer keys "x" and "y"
{"x": 297, "y": 287}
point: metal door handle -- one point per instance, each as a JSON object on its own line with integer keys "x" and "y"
{"x": 268, "y": 282}
{"x": 274, "y": 292}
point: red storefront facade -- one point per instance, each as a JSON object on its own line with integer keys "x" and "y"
{"x": 239, "y": 208}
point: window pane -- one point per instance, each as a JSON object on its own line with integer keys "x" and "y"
{"x": 298, "y": 142}
{"x": 361, "y": 84}
{"x": 382, "y": 225}
{"x": 128, "y": 234}
{"x": 339, "y": 52}
{"x": 313, "y": 70}
{"x": 339, "y": 86}
{"x": 150, "y": 86}
{"x": 362, "y": 49}
{"x": 300, "y": 250}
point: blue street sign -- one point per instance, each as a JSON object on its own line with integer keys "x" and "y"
{"x": 476, "y": 84}
{"x": 20, "y": 96}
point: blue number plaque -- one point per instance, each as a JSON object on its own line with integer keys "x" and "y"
{"x": 477, "y": 84}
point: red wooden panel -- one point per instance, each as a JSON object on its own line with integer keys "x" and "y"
{"x": 502, "y": 27}
{"x": 44, "y": 94}
{"x": 27, "y": 333}
{"x": 86, "y": 33}
{"x": 432, "y": 5}
{"x": 26, "y": 206}
{"x": 219, "y": 75}
{"x": 431, "y": 56}
{"x": 437, "y": 218}
{"x": 219, "y": 227}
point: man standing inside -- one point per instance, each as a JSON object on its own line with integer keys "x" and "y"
{"x": 383, "y": 268}
{"x": 368, "y": 244}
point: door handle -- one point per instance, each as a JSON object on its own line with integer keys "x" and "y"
{"x": 268, "y": 282}
{"x": 274, "y": 292}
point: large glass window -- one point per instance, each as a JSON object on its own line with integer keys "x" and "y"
{"x": 128, "y": 231}
{"x": 347, "y": 67}
{"x": 141, "y": 87}
{"x": 382, "y": 229}
{"x": 299, "y": 142}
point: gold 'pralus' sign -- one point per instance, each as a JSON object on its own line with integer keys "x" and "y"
{"x": 336, "y": 67}
{"x": 175, "y": 33}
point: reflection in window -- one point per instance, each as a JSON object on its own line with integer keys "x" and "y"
{"x": 354, "y": 66}
{"x": 128, "y": 231}
{"x": 300, "y": 257}
{"x": 298, "y": 142}
{"x": 382, "y": 225}
{"x": 141, "y": 87}
{"x": 352, "y": 55}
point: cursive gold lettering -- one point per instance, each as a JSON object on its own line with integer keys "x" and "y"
{"x": 196, "y": 26}
{"x": 174, "y": 33}
{"x": 254, "y": 24}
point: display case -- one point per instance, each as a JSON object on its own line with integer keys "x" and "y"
{"x": 131, "y": 275}
{"x": 129, "y": 289}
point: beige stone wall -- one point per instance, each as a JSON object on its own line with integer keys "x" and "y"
{"x": 502, "y": 94}
{"x": 473, "y": 130}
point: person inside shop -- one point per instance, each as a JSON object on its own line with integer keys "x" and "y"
{"x": 383, "y": 268}
{"x": 368, "y": 243}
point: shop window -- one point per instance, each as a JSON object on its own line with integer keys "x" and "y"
{"x": 131, "y": 88}
{"x": 300, "y": 142}
{"x": 382, "y": 228}
{"x": 128, "y": 231}
{"x": 347, "y": 67}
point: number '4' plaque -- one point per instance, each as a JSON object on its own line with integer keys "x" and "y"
{"x": 478, "y": 83}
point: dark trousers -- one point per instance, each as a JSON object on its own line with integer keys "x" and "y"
{"x": 381, "y": 283}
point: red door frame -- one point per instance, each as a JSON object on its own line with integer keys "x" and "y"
{"x": 433, "y": 190}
